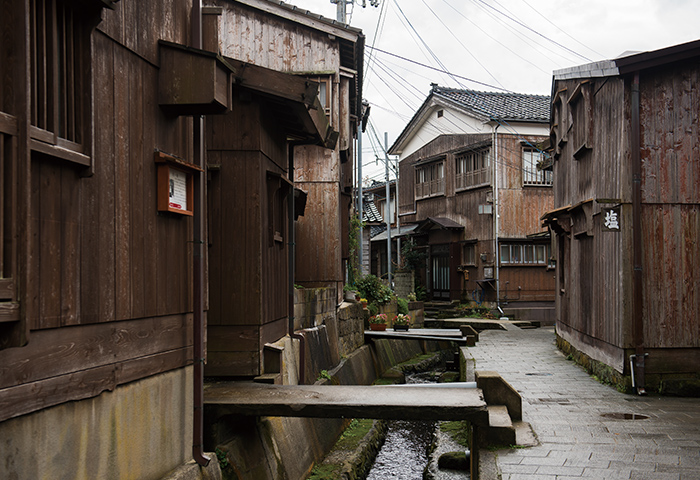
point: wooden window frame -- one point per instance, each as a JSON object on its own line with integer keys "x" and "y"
{"x": 580, "y": 119}
{"x": 60, "y": 87}
{"x": 523, "y": 251}
{"x": 279, "y": 188}
{"x": 430, "y": 179}
{"x": 470, "y": 262}
{"x": 532, "y": 176}
{"x": 473, "y": 168}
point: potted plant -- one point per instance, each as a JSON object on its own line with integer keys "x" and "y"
{"x": 378, "y": 322}
{"x": 363, "y": 301}
{"x": 402, "y": 322}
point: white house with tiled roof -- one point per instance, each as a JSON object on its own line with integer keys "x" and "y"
{"x": 469, "y": 182}
{"x": 458, "y": 111}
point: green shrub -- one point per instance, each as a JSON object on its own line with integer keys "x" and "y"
{"x": 402, "y": 305}
{"x": 373, "y": 309}
{"x": 371, "y": 288}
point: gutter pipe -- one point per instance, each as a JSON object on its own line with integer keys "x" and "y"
{"x": 291, "y": 268}
{"x": 637, "y": 302}
{"x": 198, "y": 264}
{"x": 495, "y": 219}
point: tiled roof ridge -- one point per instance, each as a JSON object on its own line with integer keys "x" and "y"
{"x": 496, "y": 105}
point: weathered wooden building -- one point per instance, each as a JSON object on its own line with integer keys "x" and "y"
{"x": 96, "y": 319}
{"x": 263, "y": 151}
{"x": 626, "y": 215}
{"x": 104, "y": 218}
{"x": 476, "y": 198}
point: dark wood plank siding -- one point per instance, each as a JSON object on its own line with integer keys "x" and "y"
{"x": 670, "y": 156}
{"x": 593, "y": 291}
{"x": 248, "y": 266}
{"x": 106, "y": 279}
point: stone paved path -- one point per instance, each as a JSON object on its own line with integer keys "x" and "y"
{"x": 565, "y": 407}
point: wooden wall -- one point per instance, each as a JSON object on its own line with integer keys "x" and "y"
{"x": 248, "y": 270}
{"x": 670, "y": 156}
{"x": 595, "y": 266}
{"x": 285, "y": 45}
{"x": 108, "y": 279}
{"x": 520, "y": 211}
{"x": 591, "y": 291}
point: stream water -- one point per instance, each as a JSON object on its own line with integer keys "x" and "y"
{"x": 404, "y": 454}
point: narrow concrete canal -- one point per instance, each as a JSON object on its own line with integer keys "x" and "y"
{"x": 406, "y": 450}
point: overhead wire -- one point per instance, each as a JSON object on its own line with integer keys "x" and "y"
{"x": 460, "y": 42}
{"x": 533, "y": 30}
{"x": 476, "y": 25}
{"x": 526, "y": 40}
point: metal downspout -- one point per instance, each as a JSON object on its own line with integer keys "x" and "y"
{"x": 360, "y": 206}
{"x": 291, "y": 268}
{"x": 495, "y": 219}
{"x": 198, "y": 265}
{"x": 637, "y": 306}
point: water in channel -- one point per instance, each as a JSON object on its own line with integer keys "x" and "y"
{"x": 404, "y": 454}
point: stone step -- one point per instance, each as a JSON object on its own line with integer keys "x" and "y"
{"x": 500, "y": 430}
{"x": 524, "y": 435}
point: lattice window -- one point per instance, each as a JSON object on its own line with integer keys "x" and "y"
{"x": 531, "y": 174}
{"x": 430, "y": 180}
{"x": 59, "y": 63}
{"x": 473, "y": 168}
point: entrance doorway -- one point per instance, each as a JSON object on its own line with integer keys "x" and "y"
{"x": 440, "y": 271}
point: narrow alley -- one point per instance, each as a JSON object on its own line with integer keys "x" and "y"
{"x": 585, "y": 429}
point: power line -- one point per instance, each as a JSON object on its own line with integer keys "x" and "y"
{"x": 534, "y": 31}
{"x": 438, "y": 69}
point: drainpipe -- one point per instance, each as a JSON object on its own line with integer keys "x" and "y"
{"x": 291, "y": 267}
{"x": 495, "y": 219}
{"x": 360, "y": 206}
{"x": 197, "y": 265}
{"x": 638, "y": 321}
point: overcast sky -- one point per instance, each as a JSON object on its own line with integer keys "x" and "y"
{"x": 513, "y": 45}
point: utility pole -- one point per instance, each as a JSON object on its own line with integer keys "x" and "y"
{"x": 342, "y": 17}
{"x": 387, "y": 216}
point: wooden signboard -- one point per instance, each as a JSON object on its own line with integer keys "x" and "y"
{"x": 175, "y": 184}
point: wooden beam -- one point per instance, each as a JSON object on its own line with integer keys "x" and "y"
{"x": 346, "y": 401}
{"x": 9, "y": 312}
{"x": 80, "y": 385}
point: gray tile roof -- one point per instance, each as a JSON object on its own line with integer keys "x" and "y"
{"x": 500, "y": 106}
{"x": 370, "y": 213}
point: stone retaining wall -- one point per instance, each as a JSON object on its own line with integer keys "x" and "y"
{"x": 313, "y": 306}
{"x": 404, "y": 284}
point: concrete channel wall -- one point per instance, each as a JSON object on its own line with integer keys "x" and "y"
{"x": 272, "y": 448}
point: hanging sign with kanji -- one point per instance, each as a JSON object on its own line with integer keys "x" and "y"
{"x": 612, "y": 219}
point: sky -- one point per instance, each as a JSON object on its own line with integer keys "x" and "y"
{"x": 492, "y": 45}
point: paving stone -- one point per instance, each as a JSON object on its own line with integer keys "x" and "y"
{"x": 565, "y": 407}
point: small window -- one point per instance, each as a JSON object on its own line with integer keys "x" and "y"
{"x": 325, "y": 92}
{"x": 430, "y": 180}
{"x": 59, "y": 61}
{"x": 532, "y": 175}
{"x": 440, "y": 113}
{"x": 524, "y": 254}
{"x": 473, "y": 168}
{"x": 469, "y": 254}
